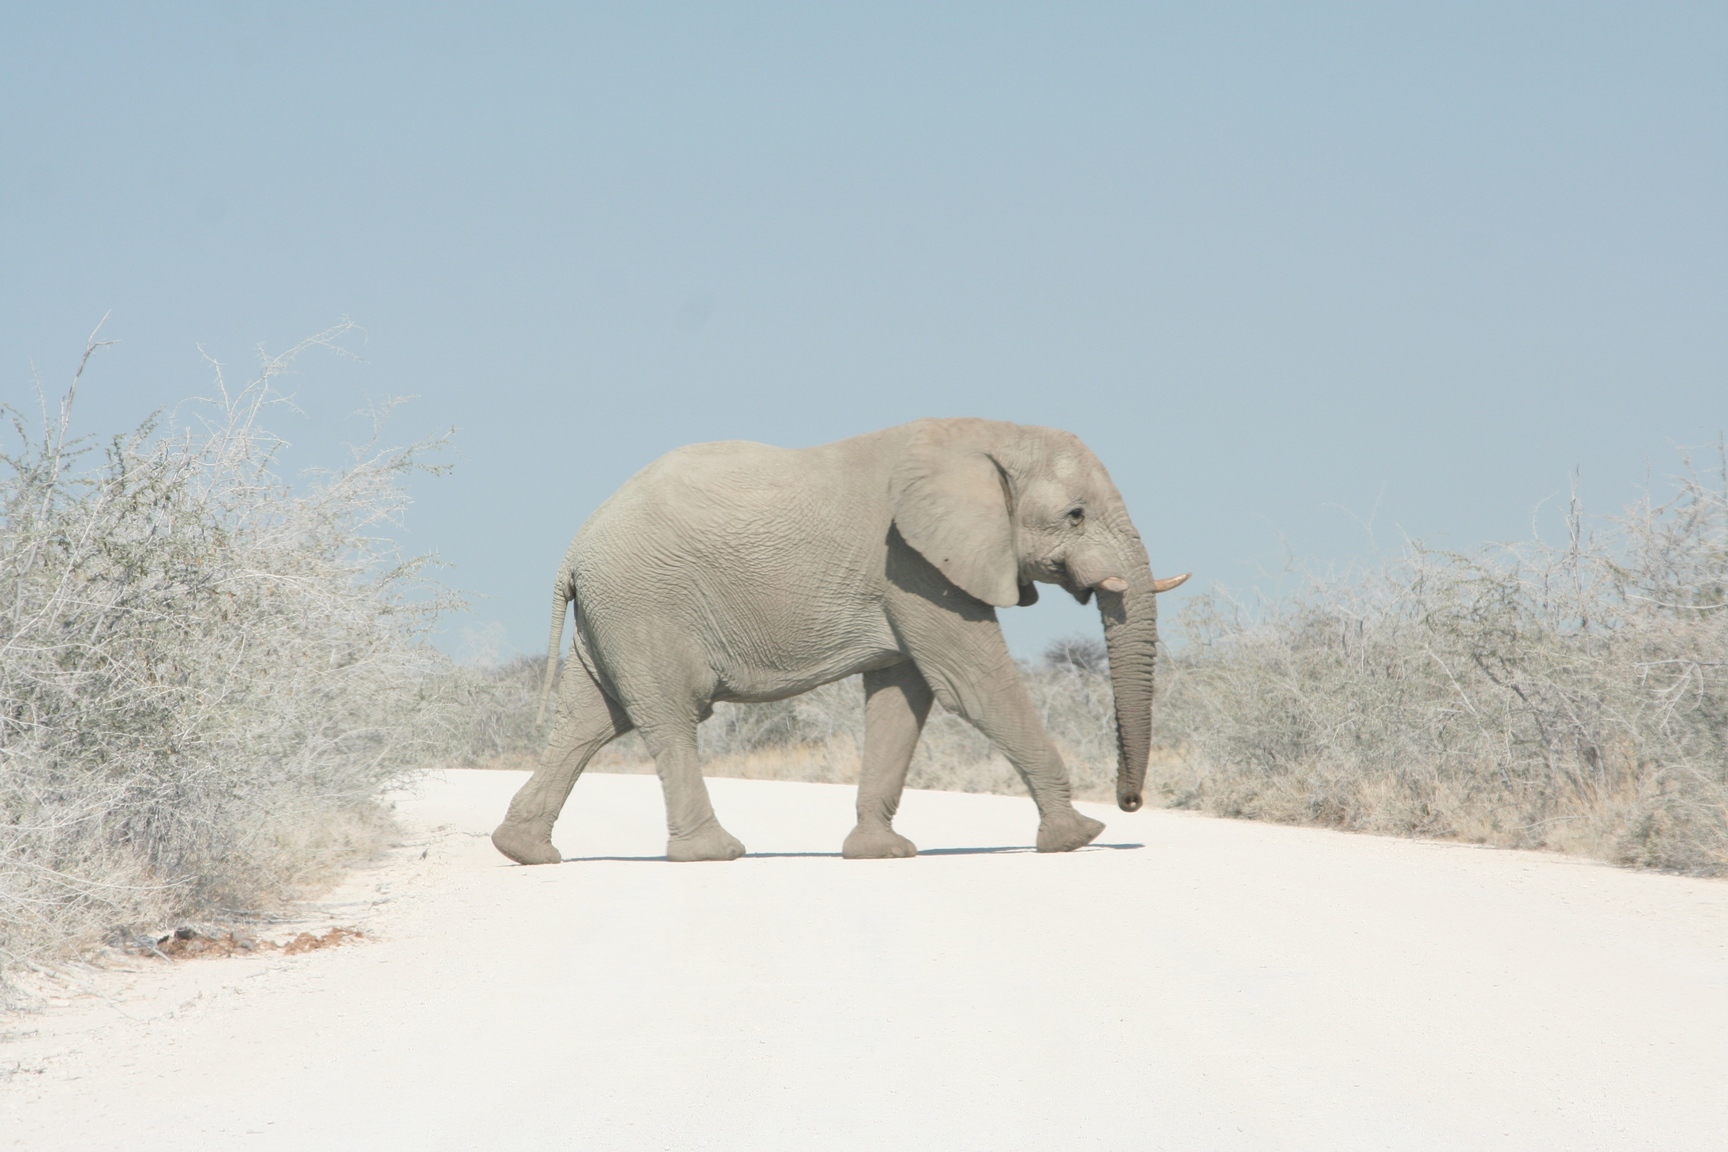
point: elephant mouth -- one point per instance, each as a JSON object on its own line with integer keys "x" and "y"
{"x": 1064, "y": 578}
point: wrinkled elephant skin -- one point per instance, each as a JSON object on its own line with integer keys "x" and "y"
{"x": 740, "y": 572}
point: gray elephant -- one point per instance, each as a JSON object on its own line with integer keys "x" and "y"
{"x": 736, "y": 571}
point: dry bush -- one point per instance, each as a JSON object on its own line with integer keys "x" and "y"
{"x": 207, "y": 678}
{"x": 486, "y": 714}
{"x": 1569, "y": 697}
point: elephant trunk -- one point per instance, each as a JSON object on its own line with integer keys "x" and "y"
{"x": 1131, "y": 638}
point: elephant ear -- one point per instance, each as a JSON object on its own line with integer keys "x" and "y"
{"x": 950, "y": 502}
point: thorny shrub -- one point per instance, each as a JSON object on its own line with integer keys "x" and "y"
{"x": 1572, "y": 697}
{"x": 207, "y": 677}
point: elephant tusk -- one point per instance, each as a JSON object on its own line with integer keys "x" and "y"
{"x": 1113, "y": 584}
{"x": 1169, "y": 582}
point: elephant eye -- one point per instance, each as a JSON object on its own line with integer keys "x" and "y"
{"x": 1076, "y": 516}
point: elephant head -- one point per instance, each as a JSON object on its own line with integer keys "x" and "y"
{"x": 997, "y": 507}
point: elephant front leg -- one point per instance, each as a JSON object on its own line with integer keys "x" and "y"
{"x": 896, "y": 704}
{"x": 959, "y": 650}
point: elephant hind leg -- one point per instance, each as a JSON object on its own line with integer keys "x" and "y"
{"x": 693, "y": 832}
{"x": 896, "y": 704}
{"x": 587, "y": 721}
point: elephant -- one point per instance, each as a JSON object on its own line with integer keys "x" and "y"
{"x": 736, "y": 571}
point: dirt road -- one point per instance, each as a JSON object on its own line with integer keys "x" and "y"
{"x": 1188, "y": 983}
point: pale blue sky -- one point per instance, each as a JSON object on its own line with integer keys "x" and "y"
{"x": 1282, "y": 266}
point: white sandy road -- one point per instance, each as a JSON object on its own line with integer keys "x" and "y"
{"x": 1189, "y": 984}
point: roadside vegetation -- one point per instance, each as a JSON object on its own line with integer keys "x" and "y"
{"x": 210, "y": 680}
{"x": 1571, "y": 697}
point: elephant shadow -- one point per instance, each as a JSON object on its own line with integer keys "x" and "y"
{"x": 998, "y": 850}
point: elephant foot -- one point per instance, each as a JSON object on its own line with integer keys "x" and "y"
{"x": 1067, "y": 830}
{"x": 525, "y": 844}
{"x": 877, "y": 844}
{"x": 711, "y": 843}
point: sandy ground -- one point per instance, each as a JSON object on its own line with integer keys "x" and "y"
{"x": 1188, "y": 983}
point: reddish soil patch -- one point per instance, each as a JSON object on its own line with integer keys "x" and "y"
{"x": 185, "y": 943}
{"x": 306, "y": 942}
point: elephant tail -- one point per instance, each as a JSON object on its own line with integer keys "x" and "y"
{"x": 563, "y": 594}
